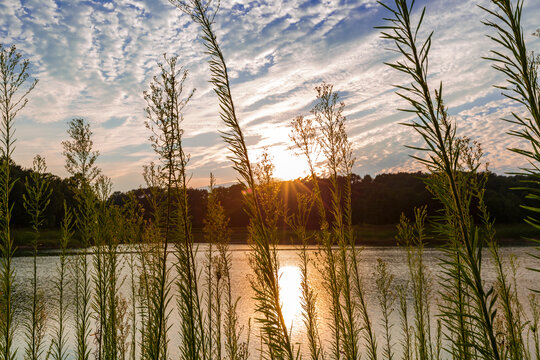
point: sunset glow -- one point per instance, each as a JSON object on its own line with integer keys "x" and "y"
{"x": 97, "y": 66}
{"x": 288, "y": 165}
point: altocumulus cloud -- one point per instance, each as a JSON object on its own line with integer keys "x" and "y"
{"x": 94, "y": 59}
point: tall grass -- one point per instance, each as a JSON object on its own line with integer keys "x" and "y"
{"x": 80, "y": 163}
{"x": 96, "y": 281}
{"x": 106, "y": 274}
{"x": 154, "y": 294}
{"x": 386, "y": 297}
{"x": 14, "y": 73}
{"x": 298, "y": 223}
{"x": 450, "y": 184}
{"x": 470, "y": 309}
{"x": 59, "y": 341}
{"x": 224, "y": 330}
{"x": 35, "y": 202}
{"x": 343, "y": 264}
{"x": 520, "y": 67}
{"x": 406, "y": 333}
{"x": 132, "y": 224}
{"x": 306, "y": 138}
{"x": 264, "y": 261}
{"x": 165, "y": 105}
{"x": 412, "y": 235}
{"x": 340, "y": 266}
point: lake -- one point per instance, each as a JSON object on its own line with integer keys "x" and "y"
{"x": 290, "y": 283}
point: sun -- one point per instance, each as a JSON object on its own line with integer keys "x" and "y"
{"x": 288, "y": 166}
{"x": 290, "y": 279}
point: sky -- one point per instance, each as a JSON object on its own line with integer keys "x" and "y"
{"x": 94, "y": 59}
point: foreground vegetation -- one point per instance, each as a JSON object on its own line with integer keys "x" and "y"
{"x": 474, "y": 319}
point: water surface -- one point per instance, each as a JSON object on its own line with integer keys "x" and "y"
{"x": 290, "y": 283}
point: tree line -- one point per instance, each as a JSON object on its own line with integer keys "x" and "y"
{"x": 377, "y": 200}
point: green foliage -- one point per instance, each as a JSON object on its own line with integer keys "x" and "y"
{"x": 224, "y": 330}
{"x": 412, "y": 235}
{"x": 61, "y": 284}
{"x": 264, "y": 261}
{"x": 80, "y": 158}
{"x": 521, "y": 70}
{"x": 454, "y": 164}
{"x": 80, "y": 163}
{"x": 36, "y": 202}
{"x": 377, "y": 200}
{"x": 106, "y": 279}
{"x": 39, "y": 192}
{"x": 387, "y": 297}
{"x": 13, "y": 98}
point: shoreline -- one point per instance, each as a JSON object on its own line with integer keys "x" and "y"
{"x": 367, "y": 235}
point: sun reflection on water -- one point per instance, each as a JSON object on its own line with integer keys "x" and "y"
{"x": 290, "y": 289}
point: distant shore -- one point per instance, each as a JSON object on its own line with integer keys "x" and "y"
{"x": 367, "y": 235}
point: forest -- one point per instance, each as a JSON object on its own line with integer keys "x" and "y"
{"x": 375, "y": 201}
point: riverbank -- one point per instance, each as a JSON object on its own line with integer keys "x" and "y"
{"x": 367, "y": 235}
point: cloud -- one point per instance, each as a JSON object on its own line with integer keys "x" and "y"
{"x": 94, "y": 59}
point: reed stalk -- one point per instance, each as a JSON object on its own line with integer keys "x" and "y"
{"x": 406, "y": 341}
{"x": 215, "y": 232}
{"x": 106, "y": 274}
{"x": 386, "y": 297}
{"x": 13, "y": 98}
{"x": 298, "y": 223}
{"x": 264, "y": 263}
{"x": 59, "y": 349}
{"x": 520, "y": 67}
{"x": 450, "y": 184}
{"x": 213, "y": 280}
{"x": 80, "y": 163}
{"x": 226, "y": 329}
{"x": 535, "y": 322}
{"x": 412, "y": 235}
{"x": 35, "y": 203}
{"x": 154, "y": 275}
{"x": 99, "y": 277}
{"x": 438, "y": 341}
{"x": 132, "y": 215}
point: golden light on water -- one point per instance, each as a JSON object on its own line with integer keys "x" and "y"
{"x": 290, "y": 279}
